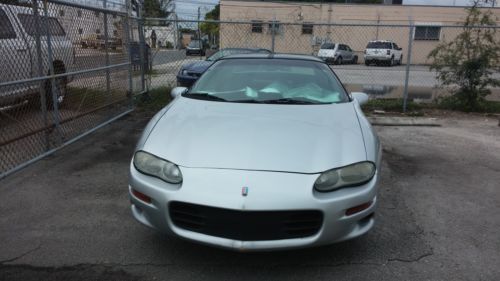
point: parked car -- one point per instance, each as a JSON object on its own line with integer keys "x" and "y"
{"x": 19, "y": 57}
{"x": 262, "y": 153}
{"x": 195, "y": 47}
{"x": 383, "y": 52}
{"x": 337, "y": 53}
{"x": 189, "y": 73}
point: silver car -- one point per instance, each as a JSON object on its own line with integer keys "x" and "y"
{"x": 264, "y": 152}
{"x": 337, "y": 53}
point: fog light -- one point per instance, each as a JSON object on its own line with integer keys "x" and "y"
{"x": 359, "y": 208}
{"x": 141, "y": 196}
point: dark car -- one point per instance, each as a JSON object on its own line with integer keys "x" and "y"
{"x": 195, "y": 47}
{"x": 190, "y": 72}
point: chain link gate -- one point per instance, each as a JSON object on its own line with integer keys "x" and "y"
{"x": 68, "y": 70}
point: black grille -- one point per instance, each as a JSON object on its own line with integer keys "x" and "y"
{"x": 245, "y": 225}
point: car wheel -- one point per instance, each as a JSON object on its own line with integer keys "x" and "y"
{"x": 339, "y": 60}
{"x": 400, "y": 62}
{"x": 367, "y": 62}
{"x": 60, "y": 88}
{"x": 391, "y": 62}
{"x": 355, "y": 60}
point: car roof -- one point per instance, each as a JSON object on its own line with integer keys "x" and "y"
{"x": 273, "y": 56}
{"x": 385, "y": 41}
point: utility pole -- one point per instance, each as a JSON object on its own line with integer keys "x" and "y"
{"x": 199, "y": 15}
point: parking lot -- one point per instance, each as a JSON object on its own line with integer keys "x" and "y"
{"x": 67, "y": 217}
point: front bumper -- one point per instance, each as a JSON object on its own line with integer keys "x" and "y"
{"x": 270, "y": 191}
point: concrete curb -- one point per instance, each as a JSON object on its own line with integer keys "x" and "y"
{"x": 403, "y": 121}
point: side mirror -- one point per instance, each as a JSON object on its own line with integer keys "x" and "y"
{"x": 361, "y": 98}
{"x": 177, "y": 91}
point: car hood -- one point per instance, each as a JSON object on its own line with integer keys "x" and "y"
{"x": 289, "y": 138}
{"x": 198, "y": 66}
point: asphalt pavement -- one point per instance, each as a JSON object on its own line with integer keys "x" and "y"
{"x": 67, "y": 216}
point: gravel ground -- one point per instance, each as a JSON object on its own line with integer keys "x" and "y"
{"x": 67, "y": 217}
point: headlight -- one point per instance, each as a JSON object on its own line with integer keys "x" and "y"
{"x": 351, "y": 175}
{"x": 183, "y": 72}
{"x": 151, "y": 165}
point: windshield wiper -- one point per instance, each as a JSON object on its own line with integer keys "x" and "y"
{"x": 203, "y": 96}
{"x": 288, "y": 101}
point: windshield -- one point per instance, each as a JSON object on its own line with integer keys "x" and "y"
{"x": 330, "y": 46}
{"x": 269, "y": 81}
{"x": 194, "y": 44}
{"x": 379, "y": 45}
{"x": 29, "y": 23}
{"x": 227, "y": 52}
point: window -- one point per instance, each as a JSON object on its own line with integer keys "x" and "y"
{"x": 6, "y": 29}
{"x": 29, "y": 24}
{"x": 61, "y": 13}
{"x": 98, "y": 31}
{"x": 313, "y": 82}
{"x": 427, "y": 33}
{"x": 115, "y": 33}
{"x": 274, "y": 26}
{"x": 379, "y": 45}
{"x": 307, "y": 28}
{"x": 80, "y": 31}
{"x": 79, "y": 13}
{"x": 257, "y": 26}
{"x": 328, "y": 46}
{"x": 114, "y": 16}
{"x": 97, "y": 13}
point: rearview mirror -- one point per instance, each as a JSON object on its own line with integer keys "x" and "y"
{"x": 177, "y": 91}
{"x": 361, "y": 98}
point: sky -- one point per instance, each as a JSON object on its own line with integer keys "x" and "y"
{"x": 188, "y": 9}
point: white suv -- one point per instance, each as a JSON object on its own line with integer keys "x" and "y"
{"x": 19, "y": 58}
{"x": 383, "y": 52}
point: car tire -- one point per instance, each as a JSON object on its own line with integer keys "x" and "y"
{"x": 339, "y": 60}
{"x": 61, "y": 87}
{"x": 391, "y": 62}
{"x": 355, "y": 60}
{"x": 400, "y": 62}
{"x": 367, "y": 62}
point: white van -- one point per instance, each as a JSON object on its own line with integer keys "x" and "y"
{"x": 19, "y": 57}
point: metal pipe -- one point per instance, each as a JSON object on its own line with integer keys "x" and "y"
{"x": 41, "y": 87}
{"x": 10, "y": 83}
{"x": 408, "y": 63}
{"x": 106, "y": 50}
{"x": 55, "y": 104}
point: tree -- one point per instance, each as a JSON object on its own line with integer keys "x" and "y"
{"x": 157, "y": 8}
{"x": 467, "y": 63}
{"x": 210, "y": 28}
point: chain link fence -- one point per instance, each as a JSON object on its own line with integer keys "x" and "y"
{"x": 388, "y": 73}
{"x": 67, "y": 69}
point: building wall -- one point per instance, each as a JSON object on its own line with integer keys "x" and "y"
{"x": 291, "y": 16}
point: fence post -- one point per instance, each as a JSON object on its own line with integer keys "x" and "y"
{"x": 408, "y": 63}
{"x": 142, "y": 47}
{"x": 50, "y": 56}
{"x": 106, "y": 48}
{"x": 273, "y": 31}
{"x": 126, "y": 27}
{"x": 43, "y": 96}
